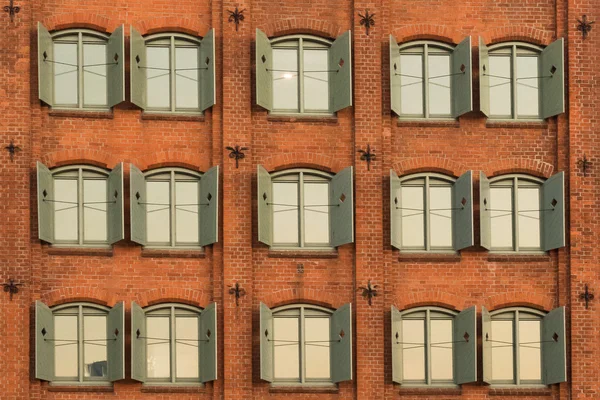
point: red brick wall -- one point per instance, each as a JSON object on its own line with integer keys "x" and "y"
{"x": 126, "y": 274}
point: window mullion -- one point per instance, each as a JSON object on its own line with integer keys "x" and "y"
{"x": 516, "y": 213}
{"x": 172, "y": 346}
{"x": 80, "y": 70}
{"x": 80, "y": 222}
{"x": 428, "y": 347}
{"x": 427, "y": 216}
{"x": 426, "y": 80}
{"x": 517, "y": 349}
{"x": 301, "y": 74}
{"x": 514, "y": 80}
{"x": 172, "y": 67}
{"x": 80, "y": 345}
{"x": 172, "y": 208}
{"x": 301, "y": 208}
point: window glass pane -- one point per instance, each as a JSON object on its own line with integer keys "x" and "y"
{"x": 529, "y": 217}
{"x": 158, "y": 212}
{"x": 186, "y": 222}
{"x": 287, "y": 352}
{"x": 65, "y": 76}
{"x": 413, "y": 353}
{"x": 413, "y": 219}
{"x": 316, "y": 84}
{"x": 94, "y": 74}
{"x": 440, "y": 213}
{"x": 502, "y": 217}
{"x": 500, "y": 86}
{"x": 285, "y": 214}
{"x": 65, "y": 214}
{"x": 502, "y": 350}
{"x": 411, "y": 82}
{"x": 94, "y": 347}
{"x": 65, "y": 346}
{"x": 158, "y": 355}
{"x": 317, "y": 354}
{"x": 527, "y": 87}
{"x": 186, "y": 77}
{"x": 158, "y": 90}
{"x": 186, "y": 347}
{"x": 316, "y": 213}
{"x": 285, "y": 79}
{"x": 439, "y": 85}
{"x": 530, "y": 354}
{"x": 441, "y": 349}
{"x": 94, "y": 214}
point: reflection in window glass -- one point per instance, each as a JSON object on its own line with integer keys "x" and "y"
{"x": 529, "y": 217}
{"x": 502, "y": 350}
{"x": 316, "y": 84}
{"x": 287, "y": 352}
{"x": 413, "y": 217}
{"x": 316, "y": 330}
{"x": 186, "y": 77}
{"x": 158, "y": 215}
{"x": 500, "y": 86}
{"x": 186, "y": 347}
{"x": 440, "y": 214}
{"x": 65, "y": 349}
{"x": 411, "y": 67}
{"x": 158, "y": 356}
{"x": 66, "y": 215}
{"x": 158, "y": 74}
{"x": 285, "y": 212}
{"x": 439, "y": 85}
{"x": 316, "y": 213}
{"x": 186, "y": 211}
{"x": 94, "y": 210}
{"x": 94, "y": 74}
{"x": 527, "y": 86}
{"x": 413, "y": 359}
{"x": 530, "y": 357}
{"x": 285, "y": 79}
{"x": 94, "y": 347}
{"x": 501, "y": 217}
{"x": 441, "y": 349}
{"x": 66, "y": 74}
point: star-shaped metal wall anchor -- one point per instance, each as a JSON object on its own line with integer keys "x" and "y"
{"x": 584, "y": 164}
{"x": 11, "y": 287}
{"x": 369, "y": 291}
{"x": 237, "y": 291}
{"x": 587, "y": 296}
{"x": 12, "y": 150}
{"x": 236, "y": 16}
{"x": 584, "y": 26}
{"x": 367, "y": 156}
{"x": 237, "y": 152}
{"x": 367, "y": 21}
{"x": 12, "y": 10}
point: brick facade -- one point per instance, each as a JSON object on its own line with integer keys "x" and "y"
{"x": 128, "y": 273}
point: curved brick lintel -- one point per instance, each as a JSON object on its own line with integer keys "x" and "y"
{"x": 428, "y": 31}
{"x": 428, "y": 164}
{"x": 80, "y": 293}
{"x": 87, "y": 20}
{"x": 517, "y": 33}
{"x": 300, "y": 295}
{"x": 318, "y": 161}
{"x": 190, "y": 26}
{"x": 197, "y": 298}
{"x": 313, "y": 26}
{"x": 528, "y": 166}
{"x": 429, "y": 298}
{"x": 520, "y": 299}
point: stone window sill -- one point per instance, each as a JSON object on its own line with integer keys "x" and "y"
{"x": 516, "y": 391}
{"x": 324, "y": 119}
{"x": 149, "y": 116}
{"x": 297, "y": 253}
{"x": 172, "y": 253}
{"x": 303, "y": 389}
{"x": 430, "y": 391}
{"x": 425, "y": 257}
{"x": 516, "y": 124}
{"x": 428, "y": 123}
{"x": 521, "y": 258}
{"x": 80, "y": 251}
{"x": 75, "y": 113}
{"x": 81, "y": 388}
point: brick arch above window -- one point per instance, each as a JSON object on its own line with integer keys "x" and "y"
{"x": 196, "y": 298}
{"x": 517, "y": 33}
{"x": 196, "y": 161}
{"x": 190, "y": 26}
{"x": 527, "y": 166}
{"x": 302, "y": 296}
{"x": 428, "y": 31}
{"x": 312, "y": 26}
{"x": 520, "y": 299}
{"x": 414, "y": 299}
{"x": 80, "y": 156}
{"x": 428, "y": 164}
{"x": 310, "y": 160}
{"x": 100, "y": 23}
{"x": 78, "y": 294}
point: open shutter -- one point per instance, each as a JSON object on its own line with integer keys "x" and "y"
{"x": 207, "y": 76}
{"x": 395, "y": 80}
{"x": 462, "y": 79}
{"x": 553, "y": 211}
{"x": 266, "y": 344}
{"x": 208, "y": 343}
{"x": 137, "y": 75}
{"x": 465, "y": 346}
{"x": 265, "y": 214}
{"x": 115, "y": 333}
{"x": 137, "y": 196}
{"x": 341, "y": 201}
{"x": 208, "y": 208}
{"x": 486, "y": 338}
{"x": 115, "y": 210}
{"x": 395, "y": 210}
{"x": 552, "y": 79}
{"x": 264, "y": 65}
{"x": 45, "y": 68}
{"x": 45, "y": 191}
{"x": 138, "y": 343}
{"x": 484, "y": 79}
{"x": 554, "y": 349}
{"x": 44, "y": 346}
{"x": 341, "y": 344}
{"x": 396, "y": 345}
{"x": 340, "y": 79}
{"x": 462, "y": 212}
{"x": 485, "y": 216}
{"x": 115, "y": 71}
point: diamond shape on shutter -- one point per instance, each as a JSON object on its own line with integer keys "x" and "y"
{"x": 554, "y": 202}
{"x": 466, "y": 336}
{"x": 209, "y": 197}
{"x": 44, "y": 332}
{"x": 263, "y": 59}
{"x": 343, "y": 197}
{"x": 116, "y": 332}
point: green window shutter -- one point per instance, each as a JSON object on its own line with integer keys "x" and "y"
{"x": 341, "y": 200}
{"x": 554, "y": 349}
{"x": 264, "y": 65}
{"x": 553, "y": 196}
{"x": 45, "y": 191}
{"x": 137, "y": 75}
{"x": 137, "y": 196}
{"x": 396, "y": 345}
{"x": 115, "y": 333}
{"x": 484, "y": 79}
{"x": 265, "y": 213}
{"x": 207, "y": 76}
{"x": 552, "y": 79}
{"x": 266, "y": 344}
{"x": 45, "y": 68}
{"x": 138, "y": 343}
{"x": 340, "y": 82}
{"x": 44, "y": 346}
{"x": 395, "y": 210}
{"x": 485, "y": 216}
{"x": 115, "y": 53}
{"x": 208, "y": 343}
{"x": 462, "y": 80}
{"x": 341, "y": 345}
{"x": 116, "y": 215}
{"x": 462, "y": 211}
{"x": 209, "y": 207}
{"x": 395, "y": 81}
{"x": 465, "y": 346}
{"x": 486, "y": 338}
